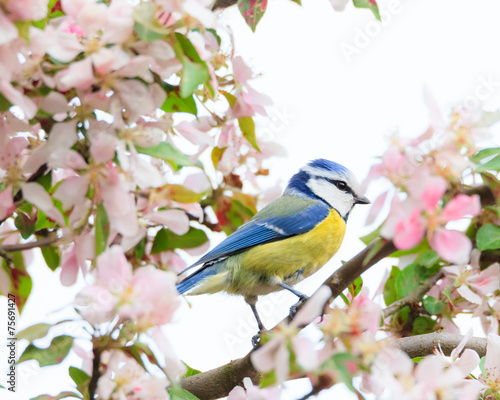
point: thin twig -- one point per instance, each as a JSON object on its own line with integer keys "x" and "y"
{"x": 45, "y": 242}
{"x": 413, "y": 297}
{"x": 96, "y": 373}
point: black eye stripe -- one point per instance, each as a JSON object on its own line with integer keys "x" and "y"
{"x": 335, "y": 182}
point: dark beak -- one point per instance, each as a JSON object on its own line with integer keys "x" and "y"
{"x": 362, "y": 200}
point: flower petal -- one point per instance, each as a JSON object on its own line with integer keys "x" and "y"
{"x": 461, "y": 206}
{"x": 452, "y": 246}
{"x": 409, "y": 231}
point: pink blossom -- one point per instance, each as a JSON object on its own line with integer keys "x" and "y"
{"x": 472, "y": 283}
{"x": 124, "y": 377}
{"x": 492, "y": 363}
{"x": 78, "y": 75}
{"x": 409, "y": 231}
{"x": 11, "y": 151}
{"x": 119, "y": 202}
{"x": 251, "y": 392}
{"x": 338, "y": 5}
{"x": 195, "y": 135}
{"x": 366, "y": 313}
{"x": 174, "y": 367}
{"x": 16, "y": 97}
{"x": 7, "y": 205}
{"x": 375, "y": 209}
{"x": 36, "y": 195}
{"x": 147, "y": 295}
{"x": 62, "y": 136}
{"x": 176, "y": 220}
{"x": 427, "y": 215}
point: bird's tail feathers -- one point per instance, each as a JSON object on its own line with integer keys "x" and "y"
{"x": 192, "y": 280}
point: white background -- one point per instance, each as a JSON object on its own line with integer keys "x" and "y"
{"x": 341, "y": 109}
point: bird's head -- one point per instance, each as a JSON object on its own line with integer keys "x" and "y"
{"x": 329, "y": 182}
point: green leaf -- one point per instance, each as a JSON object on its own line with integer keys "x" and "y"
{"x": 190, "y": 371}
{"x": 167, "y": 152}
{"x": 390, "y": 294}
{"x": 79, "y": 376}
{"x": 247, "y": 126}
{"x": 145, "y": 23}
{"x": 182, "y": 194}
{"x": 229, "y": 97}
{"x": 4, "y": 103}
{"x": 433, "y": 305}
{"x": 178, "y": 393}
{"x": 101, "y": 229}
{"x": 492, "y": 165}
{"x": 370, "y": 4}
{"x": 423, "y": 325}
{"x": 138, "y": 349}
{"x": 33, "y": 332}
{"x": 217, "y": 154}
{"x": 45, "y": 181}
{"x": 25, "y": 224}
{"x": 43, "y": 222}
{"x": 344, "y": 297}
{"x": 195, "y": 71}
{"x": 419, "y": 248}
{"x": 428, "y": 258}
{"x": 140, "y": 249}
{"x": 175, "y": 103}
{"x": 51, "y": 256}
{"x": 488, "y": 237}
{"x": 60, "y": 396}
{"x": 408, "y": 280}
{"x": 192, "y": 76}
{"x": 370, "y": 237}
{"x": 252, "y": 11}
{"x": 298, "y": 2}
{"x": 355, "y": 287}
{"x": 167, "y": 240}
{"x": 343, "y": 362}
{"x": 20, "y": 281}
{"x": 485, "y": 153}
{"x": 54, "y": 354}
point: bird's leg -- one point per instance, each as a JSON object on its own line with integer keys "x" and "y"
{"x": 302, "y": 298}
{"x": 251, "y": 301}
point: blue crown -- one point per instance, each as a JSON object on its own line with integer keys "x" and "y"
{"x": 328, "y": 165}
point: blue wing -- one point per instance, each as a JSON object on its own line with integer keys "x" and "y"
{"x": 295, "y": 220}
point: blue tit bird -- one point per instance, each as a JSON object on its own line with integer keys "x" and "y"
{"x": 286, "y": 241}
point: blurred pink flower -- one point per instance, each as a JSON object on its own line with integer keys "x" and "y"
{"x": 492, "y": 364}
{"x": 473, "y": 283}
{"x": 124, "y": 378}
{"x": 146, "y": 295}
{"x": 7, "y": 205}
{"x": 428, "y": 218}
{"x": 252, "y": 392}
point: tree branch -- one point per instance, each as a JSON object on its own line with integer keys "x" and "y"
{"x": 221, "y": 4}
{"x": 414, "y": 297}
{"x": 47, "y": 241}
{"x": 422, "y": 345}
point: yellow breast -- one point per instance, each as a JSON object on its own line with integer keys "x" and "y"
{"x": 310, "y": 250}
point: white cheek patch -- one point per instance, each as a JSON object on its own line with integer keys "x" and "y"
{"x": 341, "y": 201}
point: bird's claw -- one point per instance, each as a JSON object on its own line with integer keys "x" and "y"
{"x": 256, "y": 339}
{"x": 296, "y": 307}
